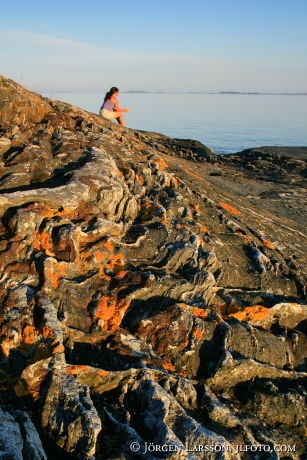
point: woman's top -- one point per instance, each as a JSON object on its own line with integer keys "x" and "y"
{"x": 108, "y": 105}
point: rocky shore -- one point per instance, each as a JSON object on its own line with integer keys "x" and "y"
{"x": 153, "y": 293}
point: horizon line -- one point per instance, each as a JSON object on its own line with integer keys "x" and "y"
{"x": 222, "y": 92}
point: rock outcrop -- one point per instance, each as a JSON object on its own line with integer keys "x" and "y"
{"x": 153, "y": 293}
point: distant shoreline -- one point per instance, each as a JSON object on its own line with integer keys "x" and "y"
{"x": 244, "y": 93}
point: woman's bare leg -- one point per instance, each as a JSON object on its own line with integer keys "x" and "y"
{"x": 121, "y": 119}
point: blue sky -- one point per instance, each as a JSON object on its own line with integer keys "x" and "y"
{"x": 206, "y": 45}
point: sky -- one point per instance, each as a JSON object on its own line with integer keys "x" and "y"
{"x": 147, "y": 45}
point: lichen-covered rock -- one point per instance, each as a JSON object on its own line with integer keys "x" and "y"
{"x": 69, "y": 416}
{"x": 177, "y": 335}
{"x": 167, "y": 424}
{"x": 18, "y": 106}
{"x": 287, "y": 315}
{"x": 153, "y": 293}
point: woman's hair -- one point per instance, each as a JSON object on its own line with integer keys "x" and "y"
{"x": 110, "y": 93}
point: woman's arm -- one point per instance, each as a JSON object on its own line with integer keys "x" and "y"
{"x": 117, "y": 108}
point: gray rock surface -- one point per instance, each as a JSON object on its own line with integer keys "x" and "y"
{"x": 19, "y": 439}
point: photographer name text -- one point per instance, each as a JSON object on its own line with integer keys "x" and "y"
{"x": 151, "y": 447}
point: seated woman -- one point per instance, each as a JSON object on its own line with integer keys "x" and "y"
{"x": 110, "y": 108}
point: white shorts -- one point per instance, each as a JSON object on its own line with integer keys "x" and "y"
{"x": 108, "y": 114}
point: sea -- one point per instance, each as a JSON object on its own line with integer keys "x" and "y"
{"x": 228, "y": 122}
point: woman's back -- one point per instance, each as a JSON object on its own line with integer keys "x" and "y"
{"x": 108, "y": 105}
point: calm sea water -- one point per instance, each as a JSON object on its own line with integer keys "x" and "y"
{"x": 227, "y": 123}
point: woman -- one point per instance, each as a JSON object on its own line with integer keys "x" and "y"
{"x": 110, "y": 108}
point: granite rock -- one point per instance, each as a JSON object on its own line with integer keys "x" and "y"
{"x": 153, "y": 293}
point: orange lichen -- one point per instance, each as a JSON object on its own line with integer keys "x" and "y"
{"x": 253, "y": 313}
{"x": 187, "y": 170}
{"x": 111, "y": 312}
{"x": 43, "y": 242}
{"x": 75, "y": 369}
{"x": 109, "y": 245}
{"x": 166, "y": 222}
{"x": 48, "y": 332}
{"x": 184, "y": 374}
{"x": 257, "y": 220}
{"x": 269, "y": 245}
{"x": 198, "y": 334}
{"x": 105, "y": 308}
{"x": 99, "y": 256}
{"x": 41, "y": 209}
{"x": 71, "y": 370}
{"x": 197, "y": 208}
{"x": 162, "y": 164}
{"x": 230, "y": 208}
{"x": 110, "y": 262}
{"x": 29, "y": 335}
{"x": 102, "y": 373}
{"x": 54, "y": 279}
{"x": 199, "y": 312}
{"x": 140, "y": 179}
{"x": 86, "y": 255}
{"x": 54, "y": 272}
{"x": 205, "y": 229}
{"x": 169, "y": 367}
{"x": 196, "y": 311}
{"x": 184, "y": 344}
{"x": 246, "y": 238}
{"x": 59, "y": 349}
{"x": 174, "y": 182}
{"x": 7, "y": 344}
{"x": 121, "y": 274}
{"x": 183, "y": 305}
{"x": 115, "y": 263}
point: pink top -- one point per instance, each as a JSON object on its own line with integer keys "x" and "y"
{"x": 108, "y": 105}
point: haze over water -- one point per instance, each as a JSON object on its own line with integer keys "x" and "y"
{"x": 228, "y": 123}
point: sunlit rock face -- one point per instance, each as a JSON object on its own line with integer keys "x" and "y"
{"x": 153, "y": 294}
